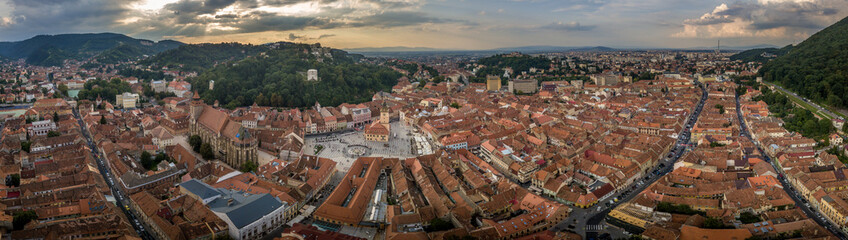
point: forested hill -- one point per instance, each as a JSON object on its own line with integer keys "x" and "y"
{"x": 198, "y": 57}
{"x": 123, "y": 52}
{"x": 277, "y": 78}
{"x": 52, "y": 50}
{"x": 761, "y": 54}
{"x": 816, "y": 68}
{"x": 518, "y": 63}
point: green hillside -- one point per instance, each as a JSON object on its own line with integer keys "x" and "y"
{"x": 51, "y": 50}
{"x": 521, "y": 63}
{"x": 277, "y": 78}
{"x": 816, "y": 68}
{"x": 123, "y": 52}
{"x": 761, "y": 54}
{"x": 48, "y": 56}
{"x": 198, "y": 57}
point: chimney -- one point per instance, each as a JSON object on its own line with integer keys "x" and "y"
{"x": 229, "y": 202}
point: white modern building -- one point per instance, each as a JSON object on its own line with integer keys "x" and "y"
{"x": 41, "y": 128}
{"x": 248, "y": 216}
{"x": 126, "y": 100}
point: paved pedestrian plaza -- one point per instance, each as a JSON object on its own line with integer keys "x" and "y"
{"x": 345, "y": 147}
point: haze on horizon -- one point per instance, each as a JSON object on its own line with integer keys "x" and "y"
{"x": 443, "y": 24}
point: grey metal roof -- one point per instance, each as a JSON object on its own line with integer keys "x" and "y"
{"x": 201, "y": 189}
{"x": 245, "y": 208}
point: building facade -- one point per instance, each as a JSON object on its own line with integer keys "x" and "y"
{"x": 380, "y": 131}
{"x": 525, "y": 86}
{"x": 126, "y": 100}
{"x": 248, "y": 216}
{"x": 493, "y": 83}
{"x": 41, "y": 128}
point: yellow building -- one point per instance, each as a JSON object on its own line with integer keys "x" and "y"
{"x": 836, "y": 209}
{"x": 493, "y": 83}
{"x": 630, "y": 219}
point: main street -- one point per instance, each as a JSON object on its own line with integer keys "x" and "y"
{"x": 589, "y": 222}
{"x": 121, "y": 199}
{"x": 799, "y": 201}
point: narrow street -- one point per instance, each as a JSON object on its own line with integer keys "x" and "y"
{"x": 590, "y": 222}
{"x": 122, "y": 201}
{"x": 799, "y": 201}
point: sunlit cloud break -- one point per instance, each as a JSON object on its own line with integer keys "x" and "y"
{"x": 468, "y": 24}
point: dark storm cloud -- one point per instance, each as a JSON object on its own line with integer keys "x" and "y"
{"x": 157, "y": 29}
{"x": 290, "y": 2}
{"x": 191, "y": 18}
{"x": 226, "y": 16}
{"x": 198, "y": 7}
{"x": 277, "y": 23}
{"x": 772, "y": 15}
{"x": 295, "y": 37}
{"x": 33, "y": 17}
{"x": 259, "y": 21}
{"x": 801, "y": 15}
{"x": 187, "y": 11}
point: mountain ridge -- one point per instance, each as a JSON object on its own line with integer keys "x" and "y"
{"x": 77, "y": 46}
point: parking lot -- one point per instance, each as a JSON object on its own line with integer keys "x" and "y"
{"x": 335, "y": 145}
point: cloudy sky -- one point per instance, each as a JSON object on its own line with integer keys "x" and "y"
{"x": 447, "y": 24}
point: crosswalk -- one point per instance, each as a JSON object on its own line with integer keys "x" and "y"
{"x": 594, "y": 227}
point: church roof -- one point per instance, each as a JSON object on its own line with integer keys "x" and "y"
{"x": 213, "y": 119}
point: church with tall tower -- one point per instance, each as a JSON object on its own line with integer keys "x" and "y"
{"x": 231, "y": 142}
{"x": 381, "y": 130}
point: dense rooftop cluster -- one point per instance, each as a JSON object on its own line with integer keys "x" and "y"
{"x": 491, "y": 161}
{"x": 726, "y": 186}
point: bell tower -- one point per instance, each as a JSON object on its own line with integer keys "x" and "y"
{"x": 195, "y": 107}
{"x": 384, "y": 114}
